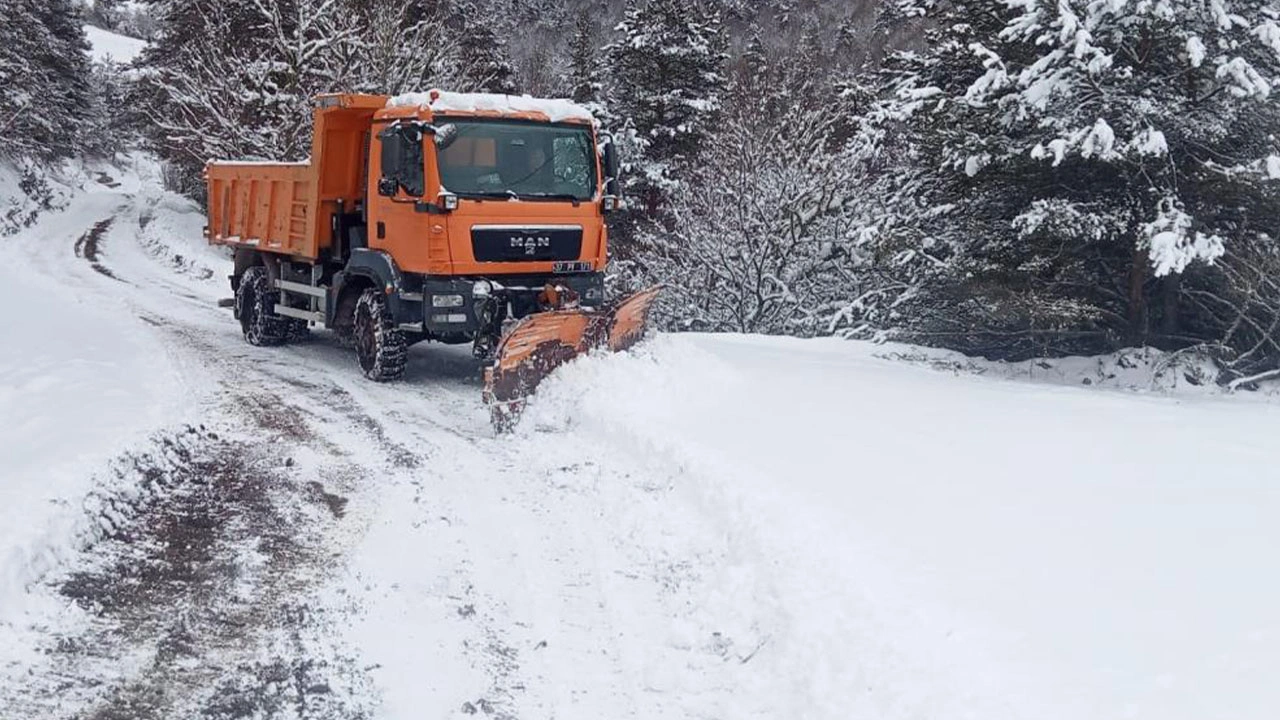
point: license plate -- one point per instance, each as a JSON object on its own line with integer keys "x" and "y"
{"x": 575, "y": 266}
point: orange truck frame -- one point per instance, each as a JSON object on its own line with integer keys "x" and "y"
{"x": 438, "y": 216}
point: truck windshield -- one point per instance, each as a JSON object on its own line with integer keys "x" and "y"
{"x": 485, "y": 158}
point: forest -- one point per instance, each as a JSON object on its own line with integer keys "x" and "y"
{"x": 1008, "y": 178}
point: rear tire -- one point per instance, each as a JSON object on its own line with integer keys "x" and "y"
{"x": 380, "y": 346}
{"x": 256, "y": 308}
{"x": 297, "y": 330}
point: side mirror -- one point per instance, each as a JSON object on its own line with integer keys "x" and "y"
{"x": 402, "y": 161}
{"x": 611, "y": 165}
{"x": 445, "y": 135}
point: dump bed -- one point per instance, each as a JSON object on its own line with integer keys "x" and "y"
{"x": 271, "y": 207}
{"x": 288, "y": 208}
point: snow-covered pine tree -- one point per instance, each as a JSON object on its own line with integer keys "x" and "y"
{"x": 62, "y": 61}
{"x": 182, "y": 23}
{"x": 45, "y": 100}
{"x": 104, "y": 13}
{"x": 1073, "y": 159}
{"x": 21, "y": 79}
{"x": 583, "y": 82}
{"x": 751, "y": 74}
{"x": 110, "y": 124}
{"x": 484, "y": 64}
{"x": 668, "y": 74}
{"x": 197, "y": 52}
{"x": 44, "y": 84}
{"x": 666, "y": 83}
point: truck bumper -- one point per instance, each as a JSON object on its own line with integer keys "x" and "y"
{"x": 465, "y": 308}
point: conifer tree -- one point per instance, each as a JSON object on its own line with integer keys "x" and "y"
{"x": 483, "y": 61}
{"x": 1074, "y": 160}
{"x": 44, "y": 66}
{"x": 584, "y": 83}
{"x": 668, "y": 74}
{"x": 666, "y": 89}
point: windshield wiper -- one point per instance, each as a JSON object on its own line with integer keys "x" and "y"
{"x": 513, "y": 195}
{"x": 555, "y": 196}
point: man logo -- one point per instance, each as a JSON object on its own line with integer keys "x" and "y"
{"x": 530, "y": 243}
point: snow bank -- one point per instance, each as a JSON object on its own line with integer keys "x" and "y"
{"x": 1139, "y": 370}
{"x": 930, "y": 544}
{"x": 81, "y": 379}
{"x": 106, "y": 46}
{"x": 441, "y": 101}
{"x": 21, "y": 206}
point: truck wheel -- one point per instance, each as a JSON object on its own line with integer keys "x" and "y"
{"x": 380, "y": 345}
{"x": 256, "y": 308}
{"x": 296, "y": 330}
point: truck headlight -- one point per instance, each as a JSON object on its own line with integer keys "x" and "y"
{"x": 449, "y": 201}
{"x": 446, "y": 301}
{"x": 482, "y": 289}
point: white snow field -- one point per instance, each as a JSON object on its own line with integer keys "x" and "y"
{"x": 106, "y": 46}
{"x": 909, "y": 543}
{"x": 708, "y": 527}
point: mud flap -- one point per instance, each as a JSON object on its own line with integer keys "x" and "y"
{"x": 538, "y": 344}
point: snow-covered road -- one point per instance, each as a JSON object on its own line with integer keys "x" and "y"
{"x": 711, "y": 527}
{"x": 935, "y": 545}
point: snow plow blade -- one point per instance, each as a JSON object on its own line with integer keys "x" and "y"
{"x": 630, "y": 318}
{"x": 540, "y": 343}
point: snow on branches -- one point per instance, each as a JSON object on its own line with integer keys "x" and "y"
{"x": 1174, "y": 243}
{"x": 1150, "y": 123}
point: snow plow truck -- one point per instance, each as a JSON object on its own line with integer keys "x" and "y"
{"x": 457, "y": 218}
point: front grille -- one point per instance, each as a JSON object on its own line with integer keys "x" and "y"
{"x": 512, "y": 243}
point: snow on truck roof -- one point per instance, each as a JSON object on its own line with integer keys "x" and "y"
{"x": 442, "y": 101}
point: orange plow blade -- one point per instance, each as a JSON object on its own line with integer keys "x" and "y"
{"x": 630, "y": 318}
{"x": 537, "y": 345}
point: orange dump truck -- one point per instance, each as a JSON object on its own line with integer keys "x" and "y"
{"x": 457, "y": 218}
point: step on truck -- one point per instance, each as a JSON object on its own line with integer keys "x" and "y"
{"x": 456, "y": 218}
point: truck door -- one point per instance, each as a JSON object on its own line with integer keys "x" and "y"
{"x": 402, "y": 185}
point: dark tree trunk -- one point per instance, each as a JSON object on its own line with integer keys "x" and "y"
{"x": 1170, "y": 320}
{"x": 1138, "y": 271}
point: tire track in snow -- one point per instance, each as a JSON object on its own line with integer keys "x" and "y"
{"x": 200, "y": 586}
{"x": 88, "y": 246}
{"x": 199, "y": 591}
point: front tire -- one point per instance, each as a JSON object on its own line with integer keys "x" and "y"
{"x": 380, "y": 346}
{"x": 256, "y": 308}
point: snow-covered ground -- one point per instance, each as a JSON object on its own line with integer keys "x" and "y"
{"x": 724, "y": 527}
{"x": 106, "y": 46}
{"x": 922, "y": 544}
{"x": 80, "y": 378}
